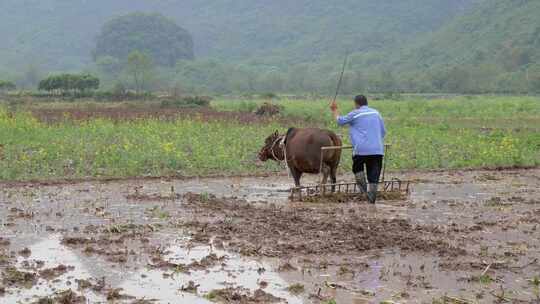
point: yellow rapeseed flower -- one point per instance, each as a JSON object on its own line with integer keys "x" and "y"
{"x": 168, "y": 147}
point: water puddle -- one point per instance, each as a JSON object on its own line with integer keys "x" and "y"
{"x": 50, "y": 253}
{"x": 274, "y": 189}
{"x": 442, "y": 192}
{"x": 235, "y": 272}
{"x": 142, "y": 282}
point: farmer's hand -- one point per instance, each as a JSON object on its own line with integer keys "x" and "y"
{"x": 333, "y": 106}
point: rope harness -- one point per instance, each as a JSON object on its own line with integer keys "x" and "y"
{"x": 282, "y": 146}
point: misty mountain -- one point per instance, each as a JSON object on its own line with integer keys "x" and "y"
{"x": 500, "y": 32}
{"x": 60, "y": 34}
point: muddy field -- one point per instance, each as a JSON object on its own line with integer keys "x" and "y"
{"x": 460, "y": 237}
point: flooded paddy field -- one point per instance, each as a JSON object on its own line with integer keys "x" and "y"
{"x": 460, "y": 237}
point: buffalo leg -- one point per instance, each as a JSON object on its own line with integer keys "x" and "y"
{"x": 326, "y": 172}
{"x": 296, "y": 175}
{"x": 333, "y": 178}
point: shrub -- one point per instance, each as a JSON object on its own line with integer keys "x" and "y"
{"x": 186, "y": 102}
{"x": 269, "y": 95}
{"x": 64, "y": 83}
{"x": 118, "y": 94}
{"x": 269, "y": 109}
{"x": 7, "y": 85}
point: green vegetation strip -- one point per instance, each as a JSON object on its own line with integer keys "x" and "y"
{"x": 458, "y": 133}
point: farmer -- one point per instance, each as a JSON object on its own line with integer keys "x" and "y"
{"x": 367, "y": 131}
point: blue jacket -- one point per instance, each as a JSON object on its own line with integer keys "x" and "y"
{"x": 366, "y": 129}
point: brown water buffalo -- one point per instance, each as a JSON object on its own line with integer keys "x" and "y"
{"x": 302, "y": 148}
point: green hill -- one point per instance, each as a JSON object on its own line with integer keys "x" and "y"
{"x": 60, "y": 34}
{"x": 502, "y": 31}
{"x": 245, "y": 45}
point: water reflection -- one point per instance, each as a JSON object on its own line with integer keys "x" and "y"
{"x": 144, "y": 283}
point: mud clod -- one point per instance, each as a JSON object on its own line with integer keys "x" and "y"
{"x": 115, "y": 294}
{"x": 296, "y": 288}
{"x": 13, "y": 277}
{"x": 144, "y": 301}
{"x": 284, "y": 231}
{"x": 241, "y": 296}
{"x": 63, "y": 297}
{"x": 160, "y": 263}
{"x": 53, "y": 273}
{"x": 191, "y": 287}
{"x": 287, "y": 267}
{"x": 25, "y": 253}
{"x": 95, "y": 285}
{"x": 83, "y": 284}
{"x": 208, "y": 261}
{"x": 4, "y": 242}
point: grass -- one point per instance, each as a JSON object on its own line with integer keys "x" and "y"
{"x": 535, "y": 282}
{"x": 212, "y": 295}
{"x": 483, "y": 279}
{"x": 157, "y": 212}
{"x": 296, "y": 289}
{"x": 455, "y": 133}
{"x": 97, "y": 148}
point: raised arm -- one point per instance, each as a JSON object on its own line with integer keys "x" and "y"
{"x": 341, "y": 120}
{"x": 334, "y": 109}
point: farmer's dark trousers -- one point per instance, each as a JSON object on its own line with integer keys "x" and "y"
{"x": 373, "y": 164}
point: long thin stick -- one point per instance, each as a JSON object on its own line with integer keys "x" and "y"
{"x": 486, "y": 270}
{"x": 341, "y": 76}
{"x": 457, "y": 300}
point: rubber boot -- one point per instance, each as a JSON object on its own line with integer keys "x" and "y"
{"x": 372, "y": 194}
{"x": 361, "y": 181}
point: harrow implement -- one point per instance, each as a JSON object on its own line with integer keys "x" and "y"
{"x": 391, "y": 189}
{"x": 387, "y": 190}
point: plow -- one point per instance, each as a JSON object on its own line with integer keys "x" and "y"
{"x": 388, "y": 189}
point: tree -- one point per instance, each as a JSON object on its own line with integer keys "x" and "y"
{"x": 534, "y": 84}
{"x": 484, "y": 78}
{"x": 297, "y": 77}
{"x": 50, "y": 84}
{"x": 87, "y": 82}
{"x": 438, "y": 78}
{"x": 533, "y": 78}
{"x": 243, "y": 78}
{"x": 159, "y": 37}
{"x": 7, "y": 85}
{"x": 382, "y": 82}
{"x": 458, "y": 80}
{"x": 515, "y": 57}
{"x": 139, "y": 67}
{"x": 205, "y": 75}
{"x": 271, "y": 81}
{"x": 352, "y": 82}
{"x": 69, "y": 83}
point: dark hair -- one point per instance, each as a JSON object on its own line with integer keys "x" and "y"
{"x": 361, "y": 100}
